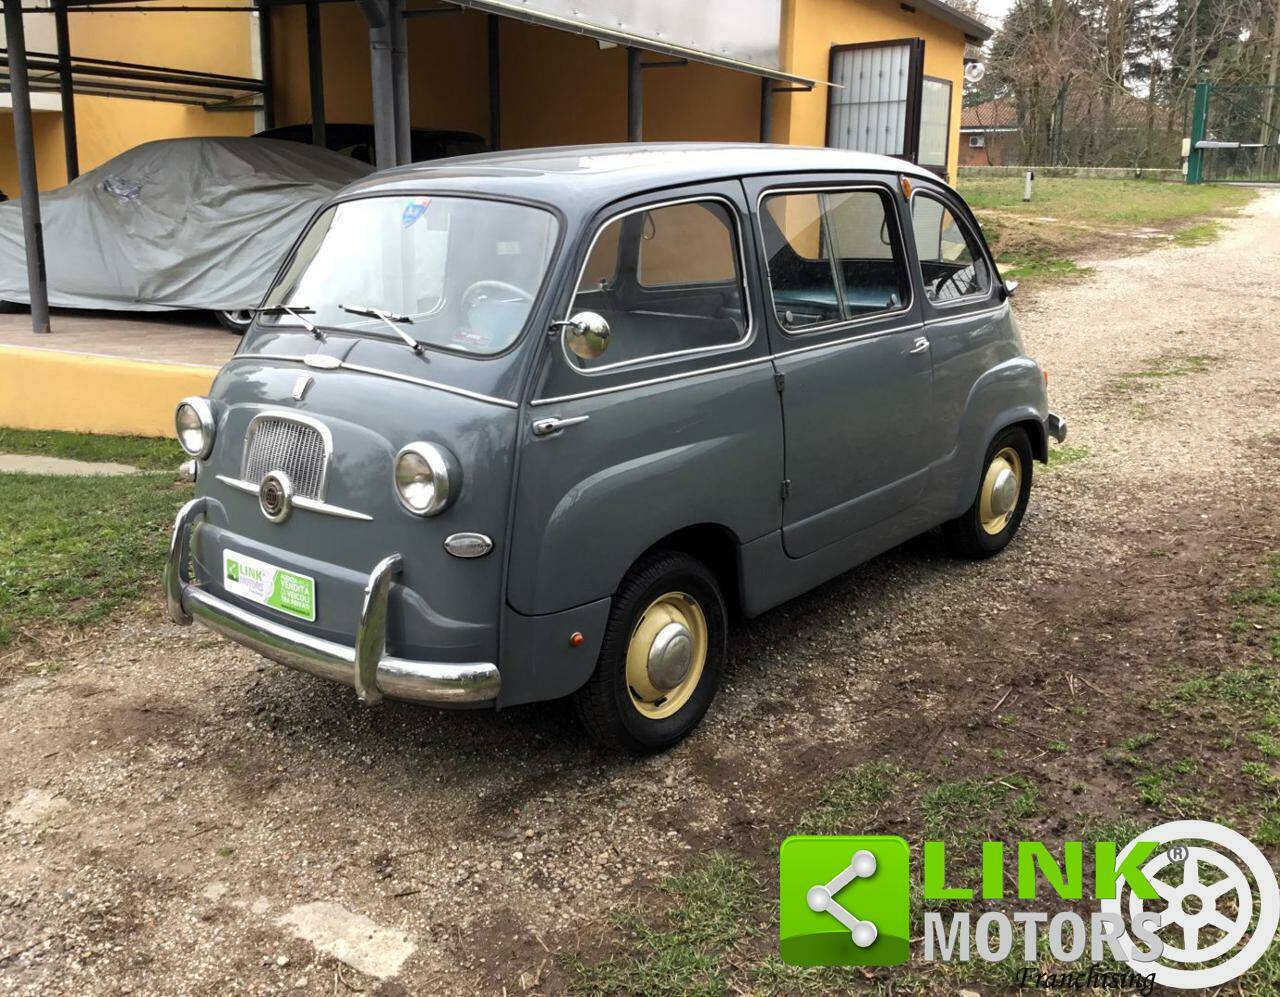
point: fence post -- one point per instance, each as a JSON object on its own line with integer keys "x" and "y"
{"x": 1199, "y": 117}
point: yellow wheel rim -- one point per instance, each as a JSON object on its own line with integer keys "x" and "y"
{"x": 1001, "y": 489}
{"x": 666, "y": 655}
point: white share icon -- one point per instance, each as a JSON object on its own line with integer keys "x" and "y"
{"x": 822, "y": 897}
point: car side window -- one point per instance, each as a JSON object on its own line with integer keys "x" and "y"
{"x": 832, "y": 256}
{"x": 951, "y": 261}
{"x": 667, "y": 279}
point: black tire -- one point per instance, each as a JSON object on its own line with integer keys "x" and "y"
{"x": 605, "y": 705}
{"x": 236, "y": 321}
{"x": 966, "y": 533}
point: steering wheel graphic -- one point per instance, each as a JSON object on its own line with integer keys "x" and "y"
{"x": 1200, "y": 903}
{"x": 1196, "y": 906}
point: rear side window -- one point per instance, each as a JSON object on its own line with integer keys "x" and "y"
{"x": 951, "y": 262}
{"x": 833, "y": 256}
{"x": 667, "y": 280}
{"x": 687, "y": 244}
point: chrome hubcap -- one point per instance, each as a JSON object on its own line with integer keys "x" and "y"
{"x": 1001, "y": 489}
{"x": 1004, "y": 492}
{"x": 666, "y": 655}
{"x": 670, "y": 656}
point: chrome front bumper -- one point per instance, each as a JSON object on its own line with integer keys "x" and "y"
{"x": 1056, "y": 426}
{"x": 366, "y": 667}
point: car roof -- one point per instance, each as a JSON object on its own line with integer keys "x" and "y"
{"x": 599, "y": 173}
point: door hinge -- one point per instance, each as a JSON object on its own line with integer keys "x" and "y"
{"x": 780, "y": 382}
{"x": 786, "y": 488}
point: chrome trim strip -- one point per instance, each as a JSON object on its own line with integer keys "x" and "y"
{"x": 395, "y": 678}
{"x": 882, "y": 188}
{"x": 284, "y": 357}
{"x": 299, "y": 501}
{"x": 748, "y": 333}
{"x": 391, "y": 375}
{"x": 408, "y": 379}
{"x": 651, "y": 381}
{"x": 967, "y": 315}
{"x": 875, "y": 333}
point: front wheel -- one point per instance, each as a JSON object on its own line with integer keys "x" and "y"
{"x": 988, "y": 525}
{"x": 660, "y": 661}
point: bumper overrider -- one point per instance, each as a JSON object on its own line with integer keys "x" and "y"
{"x": 1056, "y": 426}
{"x": 366, "y": 667}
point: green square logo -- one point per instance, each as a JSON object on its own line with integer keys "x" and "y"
{"x": 844, "y": 900}
{"x": 233, "y": 570}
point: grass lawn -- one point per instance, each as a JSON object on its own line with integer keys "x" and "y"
{"x": 72, "y": 549}
{"x": 143, "y": 452}
{"x": 1069, "y": 219}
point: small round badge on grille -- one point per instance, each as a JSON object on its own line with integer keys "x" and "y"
{"x": 275, "y": 496}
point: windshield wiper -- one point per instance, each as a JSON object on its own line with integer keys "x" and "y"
{"x": 390, "y": 319}
{"x": 294, "y": 311}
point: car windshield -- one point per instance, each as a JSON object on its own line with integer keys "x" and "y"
{"x": 453, "y": 273}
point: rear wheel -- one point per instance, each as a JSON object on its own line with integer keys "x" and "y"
{"x": 660, "y": 661}
{"x": 237, "y": 320}
{"x": 988, "y": 525}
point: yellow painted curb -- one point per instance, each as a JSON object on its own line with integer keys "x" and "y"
{"x": 79, "y": 392}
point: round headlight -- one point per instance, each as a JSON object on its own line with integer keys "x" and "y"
{"x": 427, "y": 478}
{"x": 194, "y": 423}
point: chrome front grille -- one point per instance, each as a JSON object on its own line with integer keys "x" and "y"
{"x": 295, "y": 446}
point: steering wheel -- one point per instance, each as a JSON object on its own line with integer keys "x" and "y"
{"x": 953, "y": 279}
{"x": 483, "y": 289}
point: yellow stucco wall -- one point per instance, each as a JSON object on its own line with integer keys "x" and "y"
{"x": 46, "y": 128}
{"x": 105, "y": 126}
{"x": 560, "y": 88}
{"x": 812, "y": 27}
{"x": 557, "y": 87}
{"x": 47, "y": 389}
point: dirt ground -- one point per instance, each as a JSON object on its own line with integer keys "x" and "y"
{"x": 183, "y": 817}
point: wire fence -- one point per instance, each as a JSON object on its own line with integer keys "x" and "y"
{"x": 1242, "y": 133}
{"x": 1093, "y": 130}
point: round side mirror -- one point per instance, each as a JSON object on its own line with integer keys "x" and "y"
{"x": 587, "y": 335}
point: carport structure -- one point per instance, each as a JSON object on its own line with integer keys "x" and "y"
{"x": 738, "y": 35}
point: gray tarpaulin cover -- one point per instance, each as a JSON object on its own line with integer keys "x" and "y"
{"x": 179, "y": 223}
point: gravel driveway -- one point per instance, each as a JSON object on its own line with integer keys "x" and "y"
{"x": 183, "y": 817}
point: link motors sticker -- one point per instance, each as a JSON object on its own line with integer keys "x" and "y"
{"x": 267, "y": 585}
{"x": 1188, "y": 905}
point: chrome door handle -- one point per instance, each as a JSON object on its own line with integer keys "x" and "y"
{"x": 921, "y": 344}
{"x": 553, "y": 425}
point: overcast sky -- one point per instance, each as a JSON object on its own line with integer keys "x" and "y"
{"x": 994, "y": 10}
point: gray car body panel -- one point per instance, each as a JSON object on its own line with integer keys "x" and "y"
{"x": 701, "y": 441}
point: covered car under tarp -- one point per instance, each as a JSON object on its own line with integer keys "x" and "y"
{"x": 177, "y": 223}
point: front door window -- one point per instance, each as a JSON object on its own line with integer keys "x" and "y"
{"x": 667, "y": 279}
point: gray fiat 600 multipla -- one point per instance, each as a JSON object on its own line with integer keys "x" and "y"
{"x": 523, "y": 425}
